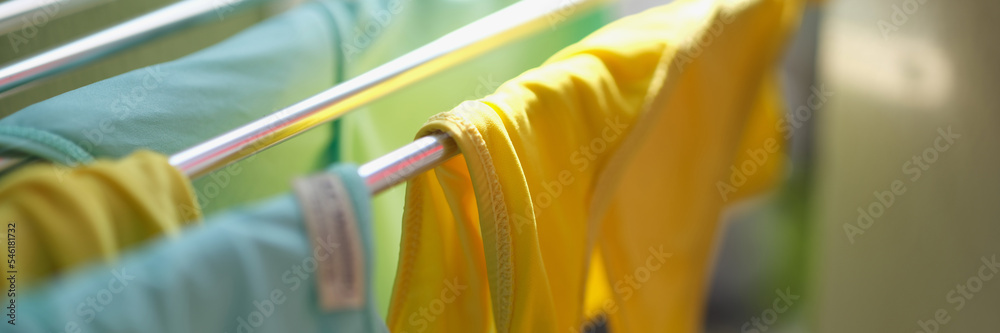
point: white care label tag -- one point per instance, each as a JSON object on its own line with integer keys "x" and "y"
{"x": 336, "y": 242}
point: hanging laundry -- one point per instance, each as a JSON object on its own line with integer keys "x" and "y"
{"x": 171, "y": 106}
{"x": 389, "y": 123}
{"x": 175, "y": 105}
{"x": 65, "y": 217}
{"x": 611, "y": 150}
{"x": 289, "y": 264}
{"x": 57, "y": 24}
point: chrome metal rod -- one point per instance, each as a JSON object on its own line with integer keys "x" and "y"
{"x": 407, "y": 162}
{"x": 116, "y": 38}
{"x": 473, "y": 39}
{"x": 34, "y": 14}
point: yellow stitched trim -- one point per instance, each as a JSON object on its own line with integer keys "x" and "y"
{"x": 505, "y": 271}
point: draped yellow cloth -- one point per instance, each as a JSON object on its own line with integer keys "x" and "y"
{"x": 63, "y": 217}
{"x": 623, "y": 148}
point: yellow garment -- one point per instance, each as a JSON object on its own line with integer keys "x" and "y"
{"x": 64, "y": 217}
{"x": 611, "y": 150}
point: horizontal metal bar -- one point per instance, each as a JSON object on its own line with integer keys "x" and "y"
{"x": 114, "y": 39}
{"x": 407, "y": 162}
{"x": 20, "y": 14}
{"x": 490, "y": 32}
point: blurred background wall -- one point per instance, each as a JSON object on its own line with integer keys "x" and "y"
{"x": 917, "y": 104}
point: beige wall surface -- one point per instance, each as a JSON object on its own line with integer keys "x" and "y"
{"x": 912, "y": 139}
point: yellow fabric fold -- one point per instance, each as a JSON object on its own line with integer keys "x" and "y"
{"x": 63, "y": 217}
{"x": 616, "y": 143}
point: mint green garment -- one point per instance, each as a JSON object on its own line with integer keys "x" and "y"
{"x": 216, "y": 277}
{"x": 56, "y": 26}
{"x": 391, "y": 122}
{"x": 175, "y": 105}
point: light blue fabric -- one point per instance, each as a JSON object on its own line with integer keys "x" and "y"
{"x": 172, "y": 106}
{"x": 212, "y": 279}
